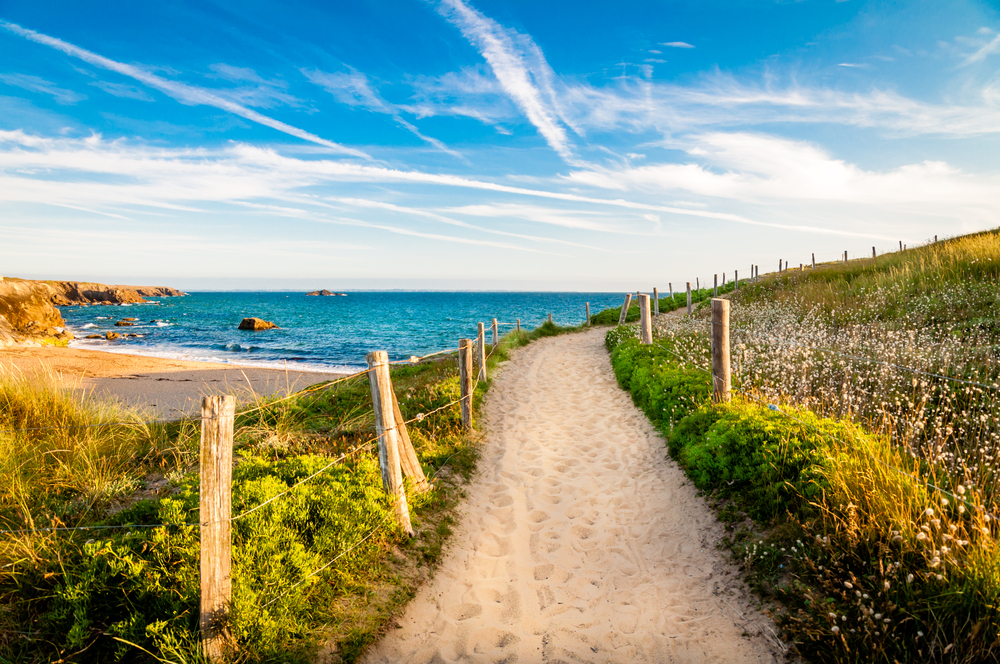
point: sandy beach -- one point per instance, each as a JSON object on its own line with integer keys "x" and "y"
{"x": 165, "y": 388}
{"x": 581, "y": 540}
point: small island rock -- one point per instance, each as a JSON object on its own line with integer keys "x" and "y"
{"x": 256, "y": 324}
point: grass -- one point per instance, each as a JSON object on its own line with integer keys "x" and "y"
{"x": 679, "y": 300}
{"x": 131, "y": 594}
{"x": 861, "y": 499}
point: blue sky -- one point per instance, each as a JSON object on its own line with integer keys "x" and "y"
{"x": 480, "y": 145}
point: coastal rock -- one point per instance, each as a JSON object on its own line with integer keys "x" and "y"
{"x": 124, "y": 323}
{"x": 94, "y": 336}
{"x": 256, "y": 324}
{"x": 27, "y": 312}
{"x": 111, "y": 336}
{"x": 67, "y": 293}
{"x": 324, "y": 293}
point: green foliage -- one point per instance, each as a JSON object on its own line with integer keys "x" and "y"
{"x": 612, "y": 316}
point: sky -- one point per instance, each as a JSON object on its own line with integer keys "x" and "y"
{"x": 487, "y": 144}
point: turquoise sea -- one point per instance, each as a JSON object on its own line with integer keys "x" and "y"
{"x": 318, "y": 333}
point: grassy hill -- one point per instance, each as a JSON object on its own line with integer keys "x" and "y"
{"x": 857, "y": 463}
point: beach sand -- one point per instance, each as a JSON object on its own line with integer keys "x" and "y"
{"x": 581, "y": 540}
{"x": 164, "y": 388}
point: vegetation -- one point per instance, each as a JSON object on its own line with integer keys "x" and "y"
{"x": 612, "y": 315}
{"x": 859, "y": 494}
{"x": 323, "y": 566}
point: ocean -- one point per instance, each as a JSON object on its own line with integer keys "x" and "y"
{"x": 318, "y": 333}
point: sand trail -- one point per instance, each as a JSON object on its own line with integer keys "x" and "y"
{"x": 580, "y": 541}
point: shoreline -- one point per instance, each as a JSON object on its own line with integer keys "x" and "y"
{"x": 163, "y": 388}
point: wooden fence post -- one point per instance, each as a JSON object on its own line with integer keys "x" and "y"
{"x": 814, "y": 261}
{"x": 671, "y": 292}
{"x": 587, "y": 307}
{"x": 465, "y": 380}
{"x": 697, "y": 284}
{"x": 845, "y": 256}
{"x": 624, "y": 313}
{"x": 873, "y": 252}
{"x": 550, "y": 318}
{"x": 481, "y": 352}
{"x": 518, "y": 324}
{"x": 496, "y": 337}
{"x": 721, "y": 377}
{"x": 801, "y": 267}
{"x": 689, "y": 297}
{"x": 900, "y": 245}
{"x": 215, "y": 503}
{"x": 407, "y": 455}
{"x": 715, "y": 288}
{"x": 736, "y": 279}
{"x": 935, "y": 238}
{"x": 656, "y": 302}
{"x": 388, "y": 438}
{"x": 723, "y": 279}
{"x": 645, "y": 321}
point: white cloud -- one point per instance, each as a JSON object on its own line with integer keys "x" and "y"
{"x": 677, "y": 44}
{"x": 519, "y": 66}
{"x": 991, "y": 47}
{"x": 182, "y": 92}
{"x": 41, "y": 86}
{"x": 122, "y": 90}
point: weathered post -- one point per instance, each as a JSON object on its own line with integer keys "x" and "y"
{"x": 215, "y": 504}
{"x": 715, "y": 287}
{"x": 721, "y": 377}
{"x": 814, "y": 261}
{"x": 550, "y": 318}
{"x": 645, "y": 321}
{"x": 779, "y": 266}
{"x": 587, "y": 307}
{"x": 656, "y": 302}
{"x": 845, "y": 256}
{"x": 900, "y": 245}
{"x": 723, "y": 280}
{"x": 496, "y": 337}
{"x": 465, "y": 380}
{"x": 697, "y": 284}
{"x": 689, "y": 298}
{"x": 407, "y": 455}
{"x": 624, "y": 313}
{"x": 802, "y": 267}
{"x": 935, "y": 238}
{"x": 873, "y": 252}
{"x": 481, "y": 352}
{"x": 671, "y": 294}
{"x": 388, "y": 438}
{"x": 736, "y": 279}
{"x": 518, "y": 324}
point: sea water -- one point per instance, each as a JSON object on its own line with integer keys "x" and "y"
{"x": 318, "y": 333}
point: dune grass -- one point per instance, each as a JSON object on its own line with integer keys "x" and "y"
{"x": 858, "y": 494}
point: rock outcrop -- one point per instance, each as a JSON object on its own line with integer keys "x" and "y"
{"x": 26, "y": 313}
{"x": 67, "y": 293}
{"x": 256, "y": 324}
{"x": 324, "y": 293}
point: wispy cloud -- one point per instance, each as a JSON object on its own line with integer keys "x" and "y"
{"x": 354, "y": 89}
{"x": 122, "y": 90}
{"x": 991, "y": 47}
{"x": 41, "y": 86}
{"x": 677, "y": 44}
{"x": 182, "y": 92}
{"x": 519, "y": 66}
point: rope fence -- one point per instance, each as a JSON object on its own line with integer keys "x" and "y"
{"x": 397, "y": 458}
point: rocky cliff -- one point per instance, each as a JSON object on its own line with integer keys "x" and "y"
{"x": 28, "y": 313}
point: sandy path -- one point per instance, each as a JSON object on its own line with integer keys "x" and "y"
{"x": 581, "y": 541}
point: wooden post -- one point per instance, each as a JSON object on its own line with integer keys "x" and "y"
{"x": 935, "y": 238}
{"x": 845, "y": 256}
{"x": 689, "y": 298}
{"x": 736, "y": 279}
{"x": 481, "y": 352}
{"x": 388, "y": 438}
{"x": 814, "y": 261}
{"x": 407, "y": 455}
{"x": 587, "y": 307}
{"x": 779, "y": 266}
{"x": 215, "y": 504}
{"x": 496, "y": 337}
{"x": 550, "y": 318}
{"x": 697, "y": 284}
{"x": 518, "y": 324}
{"x": 873, "y": 252}
{"x": 723, "y": 280}
{"x": 715, "y": 288}
{"x": 465, "y": 380}
{"x": 671, "y": 293}
{"x": 900, "y": 245}
{"x": 645, "y": 321}
{"x": 721, "y": 378}
{"x": 624, "y": 313}
{"x": 656, "y": 302}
